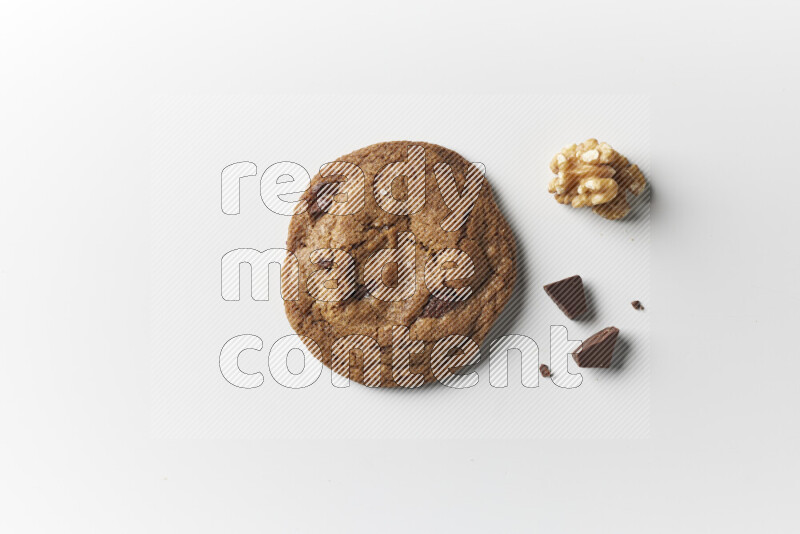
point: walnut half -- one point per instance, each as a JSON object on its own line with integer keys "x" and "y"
{"x": 594, "y": 174}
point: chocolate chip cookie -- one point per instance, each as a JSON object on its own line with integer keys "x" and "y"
{"x": 399, "y": 245}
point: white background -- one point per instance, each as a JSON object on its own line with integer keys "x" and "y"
{"x": 514, "y": 136}
{"x": 77, "y": 449}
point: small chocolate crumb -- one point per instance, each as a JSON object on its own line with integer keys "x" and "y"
{"x": 544, "y": 370}
{"x": 637, "y": 305}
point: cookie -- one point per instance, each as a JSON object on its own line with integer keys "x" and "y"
{"x": 383, "y": 319}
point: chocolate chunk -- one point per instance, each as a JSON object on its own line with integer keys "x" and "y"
{"x": 598, "y": 349}
{"x": 325, "y": 264}
{"x": 637, "y": 305}
{"x": 568, "y": 295}
{"x": 436, "y": 307}
{"x": 544, "y": 370}
{"x": 318, "y": 206}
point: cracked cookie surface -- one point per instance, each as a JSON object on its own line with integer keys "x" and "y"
{"x": 485, "y": 236}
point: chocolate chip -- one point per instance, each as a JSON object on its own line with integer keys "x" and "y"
{"x": 360, "y": 293}
{"x": 637, "y": 305}
{"x": 568, "y": 295}
{"x": 318, "y": 206}
{"x": 325, "y": 264}
{"x": 390, "y": 274}
{"x": 436, "y": 307}
{"x": 544, "y": 370}
{"x": 598, "y": 349}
